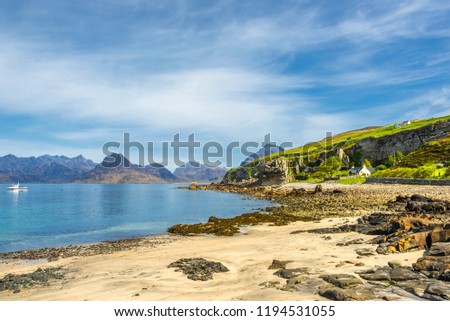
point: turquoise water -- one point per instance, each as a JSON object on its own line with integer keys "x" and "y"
{"x": 59, "y": 215}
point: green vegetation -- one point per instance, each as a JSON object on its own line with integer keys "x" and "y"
{"x": 352, "y": 180}
{"x": 240, "y": 173}
{"x": 330, "y": 166}
{"x": 350, "y": 138}
{"x": 367, "y": 163}
{"x": 406, "y": 172}
{"x": 433, "y": 152}
{"x": 318, "y": 161}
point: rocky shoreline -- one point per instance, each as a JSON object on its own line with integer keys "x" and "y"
{"x": 391, "y": 220}
{"x": 106, "y": 247}
{"x": 405, "y": 223}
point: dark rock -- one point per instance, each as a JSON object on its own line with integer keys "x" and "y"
{"x": 422, "y": 204}
{"x": 376, "y": 274}
{"x": 437, "y": 267}
{"x": 396, "y": 264}
{"x": 404, "y": 274}
{"x": 198, "y": 269}
{"x": 40, "y": 277}
{"x": 318, "y": 189}
{"x": 293, "y": 284}
{"x": 355, "y": 241}
{"x": 277, "y": 264}
{"x": 438, "y": 249}
{"x": 328, "y": 230}
{"x": 354, "y": 294}
{"x": 290, "y": 273}
{"x": 341, "y": 280}
{"x": 438, "y": 291}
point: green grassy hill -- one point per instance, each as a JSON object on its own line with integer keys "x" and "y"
{"x": 426, "y": 147}
{"x": 430, "y": 153}
{"x": 350, "y": 138}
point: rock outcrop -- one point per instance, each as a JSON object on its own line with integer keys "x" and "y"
{"x": 198, "y": 269}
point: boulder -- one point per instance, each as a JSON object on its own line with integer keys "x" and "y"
{"x": 354, "y": 294}
{"x": 277, "y": 264}
{"x": 198, "y": 269}
{"x": 341, "y": 280}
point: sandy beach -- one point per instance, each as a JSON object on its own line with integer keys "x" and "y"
{"x": 142, "y": 273}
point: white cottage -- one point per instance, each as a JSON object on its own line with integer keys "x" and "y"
{"x": 361, "y": 171}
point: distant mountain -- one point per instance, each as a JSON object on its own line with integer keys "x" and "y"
{"x": 268, "y": 149}
{"x": 196, "y": 172}
{"x": 43, "y": 169}
{"x": 116, "y": 169}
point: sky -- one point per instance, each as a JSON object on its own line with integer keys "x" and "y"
{"x": 77, "y": 74}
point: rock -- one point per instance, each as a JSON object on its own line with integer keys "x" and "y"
{"x": 40, "y": 277}
{"x": 290, "y": 273}
{"x": 193, "y": 186}
{"x": 269, "y": 284}
{"x": 438, "y": 249}
{"x": 437, "y": 267}
{"x": 438, "y": 291}
{"x": 327, "y": 230}
{"x": 439, "y": 234}
{"x": 198, "y": 269}
{"x": 408, "y": 243}
{"x": 404, "y": 274}
{"x": 341, "y": 280}
{"x": 355, "y": 241}
{"x": 376, "y": 274}
{"x": 426, "y": 205}
{"x": 337, "y": 294}
{"x": 276, "y": 264}
{"x": 415, "y": 287}
{"x": 292, "y": 284}
{"x": 318, "y": 189}
{"x": 396, "y": 264}
{"x": 365, "y": 252}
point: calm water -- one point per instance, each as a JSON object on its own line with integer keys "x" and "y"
{"x": 59, "y": 215}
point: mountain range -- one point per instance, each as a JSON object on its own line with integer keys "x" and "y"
{"x": 193, "y": 171}
{"x": 113, "y": 169}
{"x": 43, "y": 169}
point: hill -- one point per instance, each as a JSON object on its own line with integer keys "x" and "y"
{"x": 424, "y": 142}
{"x": 116, "y": 169}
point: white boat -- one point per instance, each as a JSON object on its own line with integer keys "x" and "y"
{"x": 17, "y": 187}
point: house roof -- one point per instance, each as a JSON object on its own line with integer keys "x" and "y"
{"x": 356, "y": 170}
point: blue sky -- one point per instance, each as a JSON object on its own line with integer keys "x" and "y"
{"x": 76, "y": 74}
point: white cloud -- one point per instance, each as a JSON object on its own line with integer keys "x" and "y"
{"x": 223, "y": 81}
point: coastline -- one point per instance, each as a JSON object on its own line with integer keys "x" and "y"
{"x": 136, "y": 269}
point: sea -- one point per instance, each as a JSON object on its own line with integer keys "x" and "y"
{"x": 55, "y": 215}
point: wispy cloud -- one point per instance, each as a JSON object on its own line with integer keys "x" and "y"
{"x": 224, "y": 69}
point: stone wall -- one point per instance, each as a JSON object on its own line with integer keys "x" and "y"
{"x": 410, "y": 181}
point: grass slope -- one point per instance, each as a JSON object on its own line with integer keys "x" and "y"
{"x": 433, "y": 152}
{"x": 350, "y": 138}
